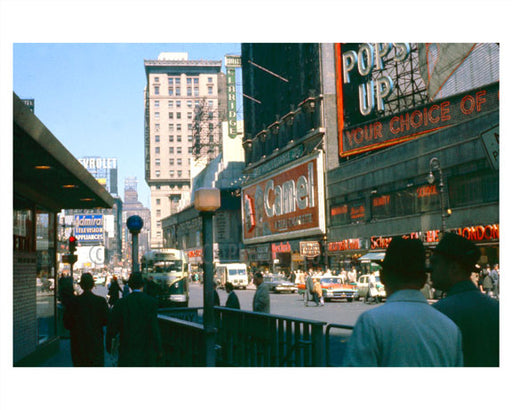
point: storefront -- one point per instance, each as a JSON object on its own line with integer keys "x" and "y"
{"x": 47, "y": 179}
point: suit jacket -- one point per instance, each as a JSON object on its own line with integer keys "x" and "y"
{"x": 134, "y": 317}
{"x": 261, "y": 300}
{"x": 85, "y": 316}
{"x": 233, "y": 301}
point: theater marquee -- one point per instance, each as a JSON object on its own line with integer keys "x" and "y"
{"x": 286, "y": 204}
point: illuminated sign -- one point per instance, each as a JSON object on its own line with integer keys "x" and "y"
{"x": 310, "y": 249}
{"x": 98, "y": 163}
{"x": 396, "y": 129}
{"x": 285, "y": 204}
{"x": 231, "y": 94}
{"x": 89, "y": 228}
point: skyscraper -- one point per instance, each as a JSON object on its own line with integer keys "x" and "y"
{"x": 185, "y": 102}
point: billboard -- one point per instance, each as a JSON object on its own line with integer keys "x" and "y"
{"x": 285, "y": 204}
{"x": 89, "y": 228}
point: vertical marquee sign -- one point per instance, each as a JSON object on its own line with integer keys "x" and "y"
{"x": 231, "y": 63}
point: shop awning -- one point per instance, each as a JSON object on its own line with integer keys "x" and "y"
{"x": 372, "y": 256}
{"x": 46, "y": 172}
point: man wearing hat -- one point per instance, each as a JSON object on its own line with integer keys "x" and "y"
{"x": 85, "y": 316}
{"x": 476, "y": 314}
{"x": 406, "y": 330}
{"x": 261, "y": 299}
{"x": 134, "y": 317}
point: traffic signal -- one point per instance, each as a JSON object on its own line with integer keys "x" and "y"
{"x": 72, "y": 244}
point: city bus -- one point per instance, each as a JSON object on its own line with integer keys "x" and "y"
{"x": 168, "y": 270}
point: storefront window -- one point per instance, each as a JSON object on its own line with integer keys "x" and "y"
{"x": 45, "y": 275}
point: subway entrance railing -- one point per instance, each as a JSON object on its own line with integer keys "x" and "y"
{"x": 251, "y": 339}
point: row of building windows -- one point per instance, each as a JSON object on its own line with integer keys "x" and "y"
{"x": 176, "y": 91}
{"x": 179, "y": 161}
{"x": 190, "y": 138}
{"x": 177, "y": 80}
{"x": 190, "y": 103}
{"x": 179, "y": 150}
{"x": 463, "y": 190}
{"x": 179, "y": 173}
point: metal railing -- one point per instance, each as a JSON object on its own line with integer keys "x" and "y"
{"x": 244, "y": 339}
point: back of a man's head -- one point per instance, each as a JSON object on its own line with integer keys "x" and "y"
{"x": 136, "y": 281}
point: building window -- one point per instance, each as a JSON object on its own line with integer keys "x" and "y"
{"x": 157, "y": 79}
{"x": 189, "y": 115}
{"x": 190, "y": 138}
{"x": 171, "y": 161}
{"x": 210, "y": 103}
{"x": 189, "y": 127}
{"x": 157, "y": 162}
{"x": 171, "y": 127}
{"x": 178, "y": 91}
{"x": 157, "y": 115}
{"x": 189, "y": 91}
{"x": 189, "y": 103}
{"x": 178, "y": 127}
{"x": 171, "y": 173}
{"x": 210, "y": 79}
{"x": 157, "y": 173}
{"x": 210, "y": 126}
{"x": 179, "y": 161}
{"x": 157, "y": 90}
{"x": 196, "y": 80}
{"x": 177, "y": 80}
{"x": 178, "y": 150}
{"x": 157, "y": 127}
{"x": 158, "y": 201}
{"x": 190, "y": 150}
{"x": 210, "y": 90}
{"x": 157, "y": 187}
{"x": 196, "y": 91}
{"x": 158, "y": 213}
{"x": 171, "y": 80}
{"x": 171, "y": 103}
{"x": 171, "y": 91}
{"x": 171, "y": 115}
{"x": 178, "y": 104}
{"x": 157, "y": 138}
{"x": 178, "y": 115}
{"x": 157, "y": 103}
{"x": 210, "y": 138}
{"x": 171, "y": 138}
{"x": 178, "y": 138}
{"x": 179, "y": 173}
{"x": 171, "y": 150}
{"x": 157, "y": 150}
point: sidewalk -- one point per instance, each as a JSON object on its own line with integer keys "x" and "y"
{"x": 63, "y": 356}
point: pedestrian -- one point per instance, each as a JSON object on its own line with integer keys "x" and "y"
{"x": 113, "y": 291}
{"x": 495, "y": 276}
{"x": 405, "y": 330}
{"x": 85, "y": 317}
{"x": 232, "y": 301}
{"x": 261, "y": 300}
{"x": 126, "y": 288}
{"x": 476, "y": 314}
{"x": 134, "y": 318}
{"x": 216, "y": 298}
{"x": 487, "y": 284}
{"x": 309, "y": 287}
{"x": 151, "y": 288}
{"x": 373, "y": 293}
{"x": 317, "y": 293}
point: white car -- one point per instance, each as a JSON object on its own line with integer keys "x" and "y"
{"x": 362, "y": 287}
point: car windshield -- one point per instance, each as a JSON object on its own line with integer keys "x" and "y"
{"x": 328, "y": 281}
{"x": 233, "y": 272}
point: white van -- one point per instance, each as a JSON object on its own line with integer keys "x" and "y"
{"x": 236, "y": 273}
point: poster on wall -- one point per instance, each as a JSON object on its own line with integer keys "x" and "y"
{"x": 285, "y": 204}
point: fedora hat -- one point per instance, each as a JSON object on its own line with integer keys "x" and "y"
{"x": 86, "y": 281}
{"x": 136, "y": 281}
{"x": 404, "y": 256}
{"x": 458, "y": 248}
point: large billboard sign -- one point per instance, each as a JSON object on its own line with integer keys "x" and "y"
{"x": 286, "y": 204}
{"x": 89, "y": 228}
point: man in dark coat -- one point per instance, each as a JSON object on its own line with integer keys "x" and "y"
{"x": 134, "y": 317}
{"x": 232, "y": 301}
{"x": 476, "y": 314}
{"x": 113, "y": 291}
{"x": 85, "y": 316}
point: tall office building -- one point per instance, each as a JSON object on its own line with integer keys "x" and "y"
{"x": 185, "y": 103}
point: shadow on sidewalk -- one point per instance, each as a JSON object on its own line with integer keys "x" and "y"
{"x": 63, "y": 356}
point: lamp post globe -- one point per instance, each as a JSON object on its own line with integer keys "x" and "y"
{"x": 135, "y": 224}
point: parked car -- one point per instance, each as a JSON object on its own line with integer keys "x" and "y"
{"x": 362, "y": 287}
{"x": 278, "y": 284}
{"x": 333, "y": 288}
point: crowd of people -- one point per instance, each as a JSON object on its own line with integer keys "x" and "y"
{"x": 462, "y": 328}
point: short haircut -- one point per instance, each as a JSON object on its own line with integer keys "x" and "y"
{"x": 229, "y": 286}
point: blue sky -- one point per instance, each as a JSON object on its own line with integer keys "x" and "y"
{"x": 90, "y": 96}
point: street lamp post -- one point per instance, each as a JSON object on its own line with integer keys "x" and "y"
{"x": 135, "y": 224}
{"x": 435, "y": 165}
{"x": 207, "y": 201}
